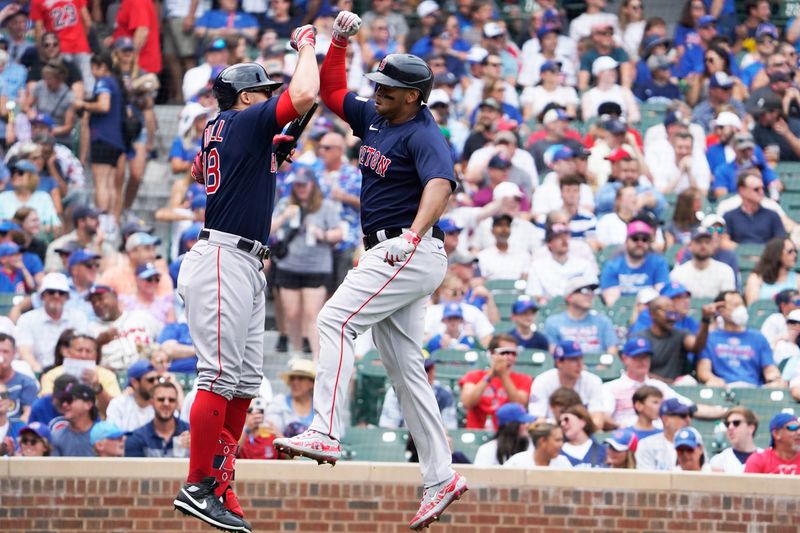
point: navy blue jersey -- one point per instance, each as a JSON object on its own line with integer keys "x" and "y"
{"x": 239, "y": 168}
{"x": 396, "y": 163}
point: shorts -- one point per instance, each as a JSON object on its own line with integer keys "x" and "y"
{"x": 285, "y": 279}
{"x": 103, "y": 153}
{"x": 176, "y": 42}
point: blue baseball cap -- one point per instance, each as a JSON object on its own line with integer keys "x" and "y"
{"x": 449, "y": 225}
{"x": 8, "y": 248}
{"x": 44, "y": 118}
{"x": 199, "y": 202}
{"x": 674, "y": 289}
{"x": 191, "y": 233}
{"x": 673, "y": 406}
{"x": 24, "y": 165}
{"x": 147, "y": 271}
{"x": 778, "y": 421}
{"x": 688, "y": 437}
{"x": 512, "y": 412}
{"x": 39, "y": 429}
{"x": 766, "y": 28}
{"x": 568, "y": 350}
{"x": 452, "y": 310}
{"x": 706, "y": 20}
{"x": 139, "y": 369}
{"x": 637, "y": 346}
{"x": 81, "y": 255}
{"x": 217, "y": 45}
{"x": 721, "y": 80}
{"x": 524, "y": 303}
{"x": 104, "y": 430}
{"x": 8, "y": 225}
{"x": 623, "y": 440}
{"x": 123, "y": 43}
{"x": 550, "y": 66}
{"x": 547, "y": 28}
{"x": 141, "y": 239}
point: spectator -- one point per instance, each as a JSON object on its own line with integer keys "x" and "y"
{"x": 783, "y": 454}
{"x": 684, "y": 219}
{"x": 781, "y": 330}
{"x": 626, "y": 171}
{"x": 766, "y": 45}
{"x": 746, "y": 157}
{"x": 107, "y": 440}
{"x": 550, "y": 275}
{"x": 9, "y": 427}
{"x": 719, "y": 98}
{"x": 647, "y": 401}
{"x": 49, "y": 51}
{"x": 603, "y": 45}
{"x": 85, "y": 234}
{"x": 773, "y": 128}
{"x": 636, "y": 269}
{"x": 607, "y": 89}
{"x": 120, "y": 335}
{"x": 24, "y": 192}
{"x": 497, "y": 172}
{"x": 379, "y": 43}
{"x": 197, "y": 78}
{"x": 722, "y": 246}
{"x": 16, "y": 26}
{"x": 741, "y": 425}
{"x": 523, "y": 315}
{"x": 38, "y": 329}
{"x": 34, "y": 440}
{"x": 555, "y": 130}
{"x": 133, "y": 410}
{"x": 291, "y": 414}
{"x": 453, "y": 337}
{"x": 30, "y": 225}
{"x": 15, "y": 278}
{"x": 580, "y": 448}
{"x": 258, "y": 434}
{"x": 621, "y": 449}
{"x": 774, "y": 272}
{"x": 140, "y": 249}
{"x": 484, "y": 129}
{"x": 392, "y": 414}
{"x": 659, "y": 88}
{"x": 681, "y": 297}
{"x": 49, "y": 408}
{"x": 702, "y": 275}
{"x": 138, "y": 20}
{"x": 735, "y": 355}
{"x": 672, "y": 345}
{"x": 676, "y": 174}
{"x": 550, "y": 86}
{"x": 484, "y": 391}
{"x": 80, "y": 360}
{"x": 592, "y": 331}
{"x": 500, "y": 261}
{"x": 398, "y": 26}
{"x": 165, "y": 433}
{"x": 82, "y": 267}
{"x": 80, "y": 413}
{"x": 454, "y": 290}
{"x": 180, "y": 45}
{"x": 161, "y": 308}
{"x": 510, "y": 439}
{"x": 21, "y": 390}
{"x": 524, "y": 235}
{"x": 52, "y": 97}
{"x": 522, "y": 171}
{"x": 569, "y": 373}
{"x": 777, "y": 80}
{"x": 175, "y": 342}
{"x": 657, "y": 452}
{"x": 547, "y": 439}
{"x": 690, "y": 451}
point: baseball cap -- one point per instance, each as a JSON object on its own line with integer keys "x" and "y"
{"x": 550, "y": 66}
{"x": 445, "y": 78}
{"x": 675, "y": 117}
{"x": 429, "y": 362}
{"x": 553, "y": 115}
{"x": 706, "y": 20}
{"x": 477, "y": 54}
{"x": 198, "y": 202}
{"x": 43, "y": 118}
{"x": 780, "y": 76}
{"x": 742, "y": 141}
{"x": 301, "y": 174}
{"x": 712, "y": 219}
{"x": 674, "y": 289}
{"x": 490, "y": 102}
{"x": 700, "y": 233}
{"x": 146, "y": 271}
{"x": 81, "y": 255}
{"x": 427, "y": 7}
{"x": 38, "y": 429}
{"x": 191, "y": 233}
{"x": 623, "y": 440}
{"x": 8, "y": 225}
{"x": 493, "y": 29}
{"x": 452, "y": 310}
{"x": 778, "y": 421}
{"x": 123, "y": 43}
{"x": 512, "y": 412}
{"x": 216, "y": 45}
{"x": 141, "y": 238}
{"x": 615, "y": 126}
{"x": 727, "y": 118}
{"x": 637, "y": 346}
{"x": 438, "y": 96}
{"x": 659, "y": 63}
{"x": 603, "y": 63}
{"x": 766, "y": 28}
{"x": 557, "y": 152}
{"x": 581, "y": 281}
{"x": 524, "y": 303}
{"x": 673, "y": 406}
{"x": 78, "y": 391}
{"x": 547, "y": 28}
{"x": 609, "y": 108}
{"x": 104, "y": 430}
{"x": 721, "y": 80}
{"x": 24, "y": 165}
{"x": 793, "y": 316}
{"x": 99, "y": 289}
{"x": 506, "y": 189}
{"x": 84, "y": 211}
{"x": 620, "y": 154}
{"x": 688, "y": 437}
{"x": 135, "y": 226}
{"x": 762, "y": 104}
{"x": 568, "y": 349}
{"x": 651, "y": 41}
{"x": 499, "y": 161}
{"x": 638, "y": 227}
{"x": 505, "y": 136}
{"x": 449, "y": 225}
{"x": 8, "y": 248}
{"x": 554, "y": 230}
{"x": 139, "y": 369}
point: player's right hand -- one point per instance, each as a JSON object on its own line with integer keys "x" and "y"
{"x": 346, "y": 24}
{"x": 303, "y": 36}
{"x": 197, "y": 169}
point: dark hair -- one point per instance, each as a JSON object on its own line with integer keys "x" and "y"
{"x": 684, "y": 216}
{"x": 509, "y": 442}
{"x": 742, "y": 177}
{"x": 494, "y": 343}
{"x": 723, "y": 54}
{"x": 564, "y": 398}
{"x": 6, "y": 337}
{"x": 103, "y": 58}
{"x": 769, "y": 264}
{"x": 571, "y": 179}
{"x": 643, "y": 393}
{"x": 724, "y": 294}
{"x": 685, "y": 18}
{"x": 63, "y": 342}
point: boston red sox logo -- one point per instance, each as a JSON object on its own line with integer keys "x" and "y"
{"x": 383, "y": 64}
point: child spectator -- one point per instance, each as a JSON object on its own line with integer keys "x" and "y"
{"x": 511, "y": 436}
{"x": 523, "y": 314}
{"x": 621, "y": 449}
{"x": 454, "y": 337}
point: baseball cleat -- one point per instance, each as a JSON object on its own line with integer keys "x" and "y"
{"x": 436, "y": 499}
{"x": 311, "y": 444}
{"x": 198, "y": 500}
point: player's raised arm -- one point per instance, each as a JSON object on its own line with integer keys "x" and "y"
{"x": 304, "y": 87}
{"x": 333, "y": 74}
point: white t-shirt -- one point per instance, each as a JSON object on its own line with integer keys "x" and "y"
{"x": 475, "y": 322}
{"x": 538, "y": 97}
{"x": 511, "y": 264}
{"x": 632, "y": 37}
{"x": 522, "y": 164}
{"x": 589, "y": 387}
{"x": 726, "y": 461}
{"x": 660, "y": 159}
{"x": 706, "y": 283}
{"x": 524, "y": 235}
{"x": 487, "y": 454}
{"x": 40, "y": 332}
{"x": 136, "y": 328}
{"x": 547, "y": 197}
{"x": 618, "y": 398}
{"x": 525, "y": 460}
{"x": 127, "y": 414}
{"x": 548, "y": 278}
{"x": 656, "y": 453}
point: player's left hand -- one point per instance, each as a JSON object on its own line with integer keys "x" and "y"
{"x": 197, "y": 169}
{"x": 303, "y": 36}
{"x": 402, "y": 247}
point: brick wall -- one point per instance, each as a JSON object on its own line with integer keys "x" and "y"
{"x": 106, "y": 496}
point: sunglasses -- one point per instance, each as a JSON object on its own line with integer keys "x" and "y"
{"x": 92, "y": 265}
{"x": 734, "y": 423}
{"x": 716, "y": 229}
{"x": 66, "y": 400}
{"x": 792, "y": 427}
{"x": 585, "y": 290}
{"x": 151, "y": 379}
{"x": 640, "y": 238}
{"x": 508, "y": 351}
{"x": 498, "y": 64}
{"x": 250, "y": 410}
{"x": 153, "y": 279}
{"x": 164, "y": 399}
{"x": 50, "y": 45}
{"x": 757, "y": 189}
{"x": 28, "y": 442}
{"x": 50, "y": 292}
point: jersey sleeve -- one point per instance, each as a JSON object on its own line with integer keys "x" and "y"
{"x": 359, "y": 112}
{"x": 431, "y": 155}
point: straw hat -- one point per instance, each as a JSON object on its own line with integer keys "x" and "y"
{"x": 300, "y": 367}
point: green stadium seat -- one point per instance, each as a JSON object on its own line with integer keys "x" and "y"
{"x": 375, "y": 444}
{"x": 607, "y": 366}
{"x": 506, "y": 285}
{"x": 765, "y": 403}
{"x": 453, "y": 364}
{"x": 748, "y": 255}
{"x": 467, "y": 441}
{"x": 533, "y": 362}
{"x": 706, "y": 395}
{"x": 759, "y": 311}
{"x": 6, "y": 303}
{"x": 554, "y": 306}
{"x": 504, "y": 302}
{"x": 370, "y": 389}
{"x": 620, "y": 313}
{"x": 503, "y": 326}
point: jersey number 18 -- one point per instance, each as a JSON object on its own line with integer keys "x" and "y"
{"x": 211, "y": 164}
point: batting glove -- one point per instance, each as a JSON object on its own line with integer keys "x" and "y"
{"x": 402, "y": 247}
{"x": 304, "y": 36}
{"x": 345, "y": 25}
{"x": 197, "y": 169}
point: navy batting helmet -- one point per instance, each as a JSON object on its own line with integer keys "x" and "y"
{"x": 406, "y": 71}
{"x": 238, "y": 78}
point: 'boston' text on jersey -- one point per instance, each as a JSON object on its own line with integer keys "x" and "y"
{"x": 372, "y": 158}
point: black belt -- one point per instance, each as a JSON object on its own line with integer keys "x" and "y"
{"x": 246, "y": 245}
{"x": 373, "y": 239}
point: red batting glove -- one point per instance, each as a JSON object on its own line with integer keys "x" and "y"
{"x": 197, "y": 169}
{"x": 304, "y": 36}
{"x": 281, "y": 138}
{"x": 402, "y": 247}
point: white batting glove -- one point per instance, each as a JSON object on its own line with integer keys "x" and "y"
{"x": 402, "y": 247}
{"x": 345, "y": 25}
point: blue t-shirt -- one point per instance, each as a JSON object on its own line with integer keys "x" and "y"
{"x": 107, "y": 127}
{"x": 396, "y": 162}
{"x": 716, "y": 157}
{"x": 725, "y": 175}
{"x": 12, "y": 284}
{"x": 538, "y": 341}
{"x": 22, "y": 391}
{"x": 239, "y": 168}
{"x": 179, "y": 150}
{"x": 617, "y": 273}
{"x": 595, "y": 333}
{"x": 43, "y": 411}
{"x": 32, "y": 262}
{"x": 650, "y": 91}
{"x": 68, "y": 443}
{"x": 436, "y": 342}
{"x": 607, "y": 194}
{"x": 738, "y": 356}
{"x": 179, "y": 331}
{"x": 217, "y": 18}
{"x": 749, "y": 73}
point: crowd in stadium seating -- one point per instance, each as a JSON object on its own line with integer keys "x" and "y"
{"x": 621, "y": 243}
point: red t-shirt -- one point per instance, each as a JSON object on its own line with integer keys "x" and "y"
{"x": 768, "y": 462}
{"x": 63, "y": 17}
{"x": 494, "y": 396}
{"x": 136, "y": 14}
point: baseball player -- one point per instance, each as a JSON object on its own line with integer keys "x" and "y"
{"x": 407, "y": 179}
{"x": 220, "y": 278}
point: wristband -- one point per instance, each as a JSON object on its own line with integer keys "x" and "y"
{"x": 338, "y": 40}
